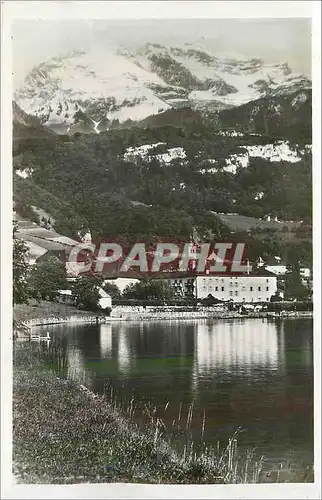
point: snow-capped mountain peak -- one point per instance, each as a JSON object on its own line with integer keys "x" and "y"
{"x": 115, "y": 84}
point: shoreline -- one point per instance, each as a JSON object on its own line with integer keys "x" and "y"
{"x": 43, "y": 314}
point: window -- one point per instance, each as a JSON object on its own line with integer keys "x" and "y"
{"x": 216, "y": 288}
{"x": 267, "y": 289}
{"x": 251, "y": 288}
{"x": 267, "y": 280}
{"x": 222, "y": 288}
{"x": 236, "y": 293}
{"x": 259, "y": 288}
{"x": 267, "y": 299}
{"x": 231, "y": 293}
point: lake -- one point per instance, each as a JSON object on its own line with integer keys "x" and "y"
{"x": 253, "y": 374}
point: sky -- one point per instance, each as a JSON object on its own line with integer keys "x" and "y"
{"x": 273, "y": 40}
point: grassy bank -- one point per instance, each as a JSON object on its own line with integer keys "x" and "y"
{"x": 46, "y": 309}
{"x": 63, "y": 433}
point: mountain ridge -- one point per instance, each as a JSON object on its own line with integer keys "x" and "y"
{"x": 101, "y": 89}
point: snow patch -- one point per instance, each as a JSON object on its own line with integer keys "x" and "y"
{"x": 24, "y": 173}
{"x": 145, "y": 153}
{"x": 279, "y": 151}
{"x": 299, "y": 99}
{"x": 58, "y": 88}
{"x": 237, "y": 160}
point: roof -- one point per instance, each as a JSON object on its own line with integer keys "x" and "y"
{"x": 104, "y": 294}
{"x": 191, "y": 274}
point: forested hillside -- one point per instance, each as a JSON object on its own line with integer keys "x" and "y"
{"x": 169, "y": 182}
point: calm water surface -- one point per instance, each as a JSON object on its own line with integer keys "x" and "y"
{"x": 250, "y": 373}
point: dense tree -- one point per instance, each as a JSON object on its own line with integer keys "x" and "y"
{"x": 112, "y": 289}
{"x": 21, "y": 269}
{"x": 149, "y": 289}
{"x": 294, "y": 288}
{"x": 47, "y": 277}
{"x": 86, "y": 292}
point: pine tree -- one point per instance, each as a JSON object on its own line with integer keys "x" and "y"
{"x": 21, "y": 269}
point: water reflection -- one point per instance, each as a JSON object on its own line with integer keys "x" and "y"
{"x": 123, "y": 354}
{"x": 237, "y": 346}
{"x": 106, "y": 339}
{"x": 250, "y": 373}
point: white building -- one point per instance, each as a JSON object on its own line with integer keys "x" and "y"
{"x": 279, "y": 270}
{"x": 66, "y": 297}
{"x": 253, "y": 287}
{"x": 105, "y": 299}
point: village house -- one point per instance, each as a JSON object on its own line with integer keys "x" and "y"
{"x": 256, "y": 286}
{"x": 275, "y": 266}
{"x": 105, "y": 300}
{"x": 66, "y": 297}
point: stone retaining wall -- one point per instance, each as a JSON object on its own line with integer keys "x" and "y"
{"x": 52, "y": 320}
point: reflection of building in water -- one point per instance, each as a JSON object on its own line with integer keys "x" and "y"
{"x": 236, "y": 346}
{"x": 123, "y": 349}
{"x": 114, "y": 344}
{"x": 106, "y": 339}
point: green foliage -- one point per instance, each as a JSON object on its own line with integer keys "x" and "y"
{"x": 86, "y": 292}
{"x": 274, "y": 116}
{"x": 149, "y": 289}
{"x": 46, "y": 278}
{"x": 85, "y": 183}
{"x": 21, "y": 269}
{"x": 280, "y": 306}
{"x": 112, "y": 289}
{"x": 294, "y": 288}
{"x": 276, "y": 298}
{"x": 26, "y": 193}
